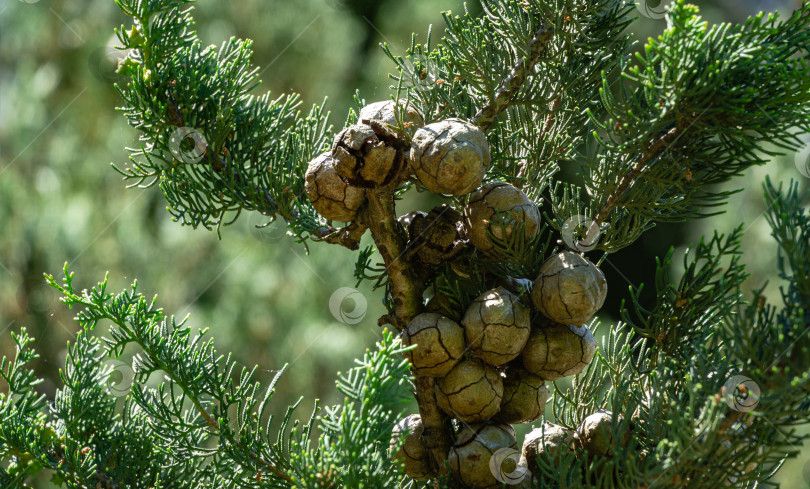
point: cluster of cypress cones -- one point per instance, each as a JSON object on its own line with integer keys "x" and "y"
{"x": 491, "y": 370}
{"x": 492, "y": 366}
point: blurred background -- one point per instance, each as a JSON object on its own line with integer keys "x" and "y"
{"x": 260, "y": 294}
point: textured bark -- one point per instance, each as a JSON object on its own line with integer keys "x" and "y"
{"x": 655, "y": 148}
{"x": 405, "y": 287}
{"x": 406, "y": 291}
{"x": 512, "y": 83}
{"x": 436, "y": 425}
{"x": 348, "y": 236}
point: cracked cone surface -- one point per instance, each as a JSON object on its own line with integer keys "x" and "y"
{"x": 569, "y": 289}
{"x": 547, "y": 438}
{"x": 595, "y": 434}
{"x": 470, "y": 456}
{"x": 497, "y": 208}
{"x": 412, "y": 454}
{"x": 385, "y": 111}
{"x": 450, "y": 157}
{"x": 333, "y": 198}
{"x": 359, "y": 155}
{"x": 497, "y": 326}
{"x": 471, "y": 392}
{"x": 558, "y": 350}
{"x": 524, "y": 396}
{"x": 439, "y": 344}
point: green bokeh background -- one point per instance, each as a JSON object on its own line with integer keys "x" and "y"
{"x": 261, "y": 295}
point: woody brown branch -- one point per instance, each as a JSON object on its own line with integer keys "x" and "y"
{"x": 406, "y": 288}
{"x": 651, "y": 153}
{"x": 348, "y": 236}
{"x": 514, "y": 80}
{"x": 406, "y": 291}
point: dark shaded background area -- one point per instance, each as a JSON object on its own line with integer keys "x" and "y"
{"x": 259, "y": 293}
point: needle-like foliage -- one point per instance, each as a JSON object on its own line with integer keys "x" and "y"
{"x": 207, "y": 423}
{"x": 707, "y": 389}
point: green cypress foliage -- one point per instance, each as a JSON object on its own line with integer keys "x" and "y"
{"x": 706, "y": 387}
